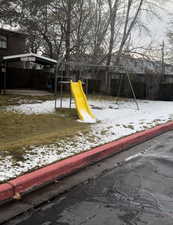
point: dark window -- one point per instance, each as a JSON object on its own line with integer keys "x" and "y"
{"x": 3, "y": 41}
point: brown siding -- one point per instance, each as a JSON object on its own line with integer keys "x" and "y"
{"x": 15, "y": 45}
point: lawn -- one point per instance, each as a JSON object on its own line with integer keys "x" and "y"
{"x": 33, "y": 134}
{"x": 6, "y": 100}
{"x": 19, "y": 130}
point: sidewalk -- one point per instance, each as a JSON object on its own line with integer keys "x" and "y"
{"x": 40, "y": 177}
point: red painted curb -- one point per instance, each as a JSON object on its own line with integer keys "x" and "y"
{"x": 65, "y": 167}
{"x": 6, "y": 191}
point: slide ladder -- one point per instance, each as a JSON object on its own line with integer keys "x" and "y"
{"x": 83, "y": 109}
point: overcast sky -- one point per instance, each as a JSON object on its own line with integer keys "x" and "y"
{"x": 158, "y": 27}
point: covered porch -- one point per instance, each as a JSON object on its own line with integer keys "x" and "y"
{"x": 23, "y": 76}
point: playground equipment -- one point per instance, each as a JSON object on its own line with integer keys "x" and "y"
{"x": 81, "y": 102}
{"x": 82, "y": 106}
{"x": 76, "y": 90}
{"x": 119, "y": 73}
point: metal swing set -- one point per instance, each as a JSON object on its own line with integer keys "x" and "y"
{"x": 65, "y": 81}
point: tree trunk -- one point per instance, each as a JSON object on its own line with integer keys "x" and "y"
{"x": 68, "y": 33}
{"x": 128, "y": 28}
{"x": 113, "y": 15}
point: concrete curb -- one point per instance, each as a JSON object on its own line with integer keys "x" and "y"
{"x": 68, "y": 166}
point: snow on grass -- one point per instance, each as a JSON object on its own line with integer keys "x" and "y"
{"x": 38, "y": 108}
{"x": 113, "y": 122}
{"x": 87, "y": 118}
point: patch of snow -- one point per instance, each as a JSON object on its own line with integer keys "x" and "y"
{"x": 38, "y": 108}
{"x": 87, "y": 118}
{"x": 133, "y": 157}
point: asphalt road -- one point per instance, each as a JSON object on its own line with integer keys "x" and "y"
{"x": 138, "y": 191}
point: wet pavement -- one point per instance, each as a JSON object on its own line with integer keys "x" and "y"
{"x": 139, "y": 191}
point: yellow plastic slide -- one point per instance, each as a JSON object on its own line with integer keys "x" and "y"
{"x": 82, "y": 106}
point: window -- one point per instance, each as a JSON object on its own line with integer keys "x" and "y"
{"x": 3, "y": 41}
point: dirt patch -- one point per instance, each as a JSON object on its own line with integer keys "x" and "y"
{"x": 67, "y": 113}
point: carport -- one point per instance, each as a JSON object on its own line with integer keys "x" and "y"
{"x": 28, "y": 57}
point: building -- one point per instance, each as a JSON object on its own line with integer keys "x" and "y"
{"x": 11, "y": 43}
{"x": 16, "y": 71}
{"x": 143, "y": 66}
{"x": 150, "y": 78}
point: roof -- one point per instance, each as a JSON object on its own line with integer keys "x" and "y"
{"x": 12, "y": 32}
{"x": 30, "y": 57}
{"x": 142, "y": 65}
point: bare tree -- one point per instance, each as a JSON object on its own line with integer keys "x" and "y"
{"x": 98, "y": 28}
{"x": 129, "y": 23}
{"x": 113, "y": 8}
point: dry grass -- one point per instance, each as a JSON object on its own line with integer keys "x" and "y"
{"x": 6, "y": 100}
{"x": 107, "y": 97}
{"x": 20, "y": 130}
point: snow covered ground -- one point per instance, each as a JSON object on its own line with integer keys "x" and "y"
{"x": 113, "y": 122}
